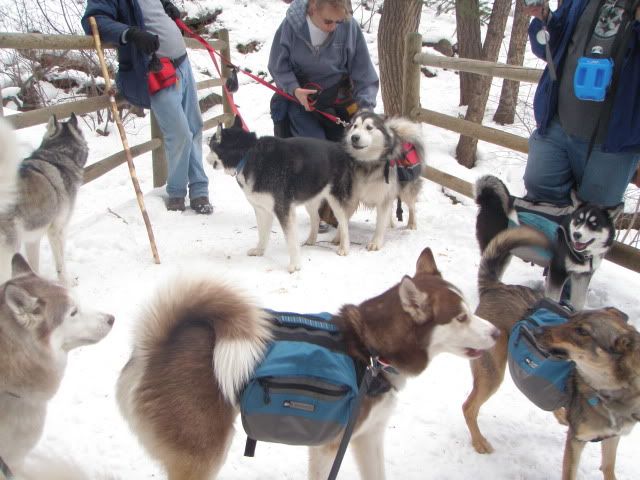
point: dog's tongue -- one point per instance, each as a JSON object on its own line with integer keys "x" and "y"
{"x": 580, "y": 246}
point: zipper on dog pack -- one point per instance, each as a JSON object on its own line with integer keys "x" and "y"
{"x": 268, "y": 385}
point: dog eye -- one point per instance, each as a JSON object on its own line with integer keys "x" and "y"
{"x": 583, "y": 332}
{"x": 369, "y": 127}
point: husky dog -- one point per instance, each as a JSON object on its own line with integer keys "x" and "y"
{"x": 376, "y": 144}
{"x": 584, "y": 237}
{"x": 39, "y": 324}
{"x": 200, "y": 342}
{"x": 278, "y": 174}
{"x": 604, "y": 347}
{"x": 42, "y": 197}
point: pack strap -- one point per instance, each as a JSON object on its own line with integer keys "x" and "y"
{"x": 6, "y": 471}
{"x": 373, "y": 370}
{"x": 212, "y": 51}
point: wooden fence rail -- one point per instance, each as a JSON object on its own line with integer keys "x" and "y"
{"x": 34, "y": 41}
{"x": 620, "y": 254}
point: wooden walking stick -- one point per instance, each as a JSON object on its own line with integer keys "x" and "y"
{"x": 123, "y": 137}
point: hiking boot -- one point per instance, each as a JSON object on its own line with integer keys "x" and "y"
{"x": 201, "y": 205}
{"x": 323, "y": 227}
{"x": 175, "y": 204}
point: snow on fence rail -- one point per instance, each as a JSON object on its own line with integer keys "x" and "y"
{"x": 36, "y": 41}
{"x": 620, "y": 254}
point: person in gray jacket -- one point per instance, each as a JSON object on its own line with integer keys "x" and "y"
{"x": 319, "y": 55}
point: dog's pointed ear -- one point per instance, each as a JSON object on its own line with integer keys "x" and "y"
{"x": 19, "y": 266}
{"x": 614, "y": 211}
{"x": 217, "y": 137}
{"x": 52, "y": 125}
{"x": 21, "y": 303}
{"x": 414, "y": 301}
{"x": 624, "y": 343}
{"x": 427, "y": 264}
{"x": 73, "y": 120}
{"x": 613, "y": 311}
{"x": 237, "y": 122}
{"x": 576, "y": 201}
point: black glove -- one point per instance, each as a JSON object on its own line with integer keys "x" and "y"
{"x": 171, "y": 10}
{"x": 144, "y": 41}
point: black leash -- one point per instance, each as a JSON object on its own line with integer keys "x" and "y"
{"x": 6, "y": 471}
{"x": 373, "y": 370}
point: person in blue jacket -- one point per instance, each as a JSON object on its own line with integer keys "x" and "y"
{"x": 319, "y": 55}
{"x": 141, "y": 28}
{"x": 559, "y": 157}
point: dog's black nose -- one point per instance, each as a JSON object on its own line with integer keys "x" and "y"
{"x": 577, "y": 235}
{"x": 355, "y": 138}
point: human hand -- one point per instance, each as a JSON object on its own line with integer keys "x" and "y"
{"x": 638, "y": 14}
{"x": 302, "y": 94}
{"x": 539, "y": 11}
{"x": 171, "y": 10}
{"x": 144, "y": 41}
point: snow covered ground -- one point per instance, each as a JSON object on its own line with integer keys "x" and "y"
{"x": 427, "y": 439}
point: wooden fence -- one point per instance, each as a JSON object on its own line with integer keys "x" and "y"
{"x": 621, "y": 254}
{"x": 32, "y": 41}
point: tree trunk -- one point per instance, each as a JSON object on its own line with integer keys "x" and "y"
{"x": 506, "y": 112}
{"x": 467, "y": 146}
{"x": 469, "y": 43}
{"x": 399, "y": 17}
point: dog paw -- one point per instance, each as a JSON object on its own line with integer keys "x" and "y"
{"x": 373, "y": 246}
{"x": 293, "y": 267}
{"x": 342, "y": 251}
{"x": 255, "y": 252}
{"x": 310, "y": 241}
{"x": 482, "y": 445}
{"x": 412, "y": 226}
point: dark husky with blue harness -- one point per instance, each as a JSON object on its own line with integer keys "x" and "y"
{"x": 278, "y": 174}
{"x": 580, "y": 235}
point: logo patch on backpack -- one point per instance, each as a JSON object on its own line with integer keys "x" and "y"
{"x": 540, "y": 376}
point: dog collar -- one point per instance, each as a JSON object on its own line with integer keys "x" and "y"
{"x": 241, "y": 164}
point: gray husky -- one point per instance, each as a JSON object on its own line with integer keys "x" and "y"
{"x": 40, "y": 200}
{"x": 379, "y": 147}
{"x": 39, "y": 324}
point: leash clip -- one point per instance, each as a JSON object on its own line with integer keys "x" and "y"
{"x": 377, "y": 365}
{"x": 342, "y": 123}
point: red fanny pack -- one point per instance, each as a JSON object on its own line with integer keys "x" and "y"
{"x": 164, "y": 77}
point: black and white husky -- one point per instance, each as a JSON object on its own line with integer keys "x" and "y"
{"x": 278, "y": 174}
{"x": 376, "y": 143}
{"x": 584, "y": 236}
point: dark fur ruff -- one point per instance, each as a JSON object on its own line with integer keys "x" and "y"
{"x": 605, "y": 348}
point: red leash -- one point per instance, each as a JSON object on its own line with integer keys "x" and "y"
{"x": 211, "y": 50}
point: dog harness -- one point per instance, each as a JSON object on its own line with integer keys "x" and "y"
{"x": 407, "y": 161}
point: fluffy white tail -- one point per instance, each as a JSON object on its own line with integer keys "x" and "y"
{"x": 9, "y": 162}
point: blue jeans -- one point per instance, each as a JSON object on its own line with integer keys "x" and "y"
{"x": 177, "y": 111}
{"x": 303, "y": 123}
{"x": 558, "y": 162}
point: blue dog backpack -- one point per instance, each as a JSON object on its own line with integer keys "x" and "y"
{"x": 304, "y": 391}
{"x": 540, "y": 376}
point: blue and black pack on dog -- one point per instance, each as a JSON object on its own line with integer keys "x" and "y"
{"x": 540, "y": 376}
{"x": 304, "y": 390}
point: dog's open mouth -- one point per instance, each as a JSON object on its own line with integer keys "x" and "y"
{"x": 473, "y": 352}
{"x": 558, "y": 352}
{"x": 358, "y": 147}
{"x": 581, "y": 246}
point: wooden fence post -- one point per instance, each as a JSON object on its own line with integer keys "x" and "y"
{"x": 226, "y": 53}
{"x": 158, "y": 157}
{"x": 411, "y": 74}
